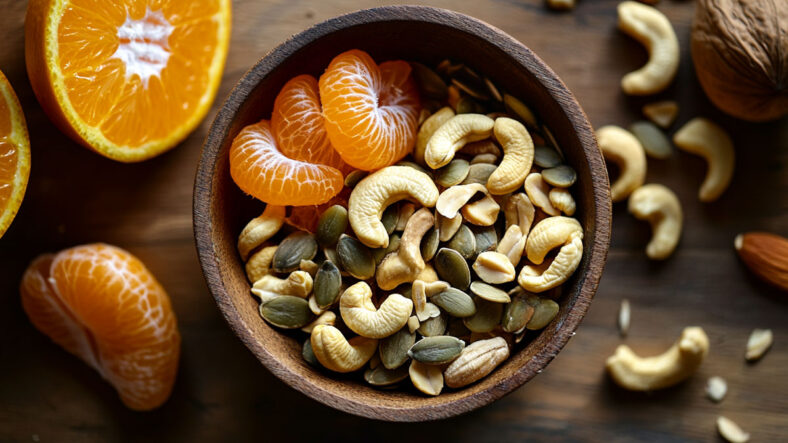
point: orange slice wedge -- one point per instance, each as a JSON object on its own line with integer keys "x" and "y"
{"x": 14, "y": 155}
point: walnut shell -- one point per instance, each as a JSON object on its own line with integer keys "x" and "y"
{"x": 740, "y": 51}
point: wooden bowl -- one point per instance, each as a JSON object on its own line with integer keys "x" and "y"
{"x": 409, "y": 33}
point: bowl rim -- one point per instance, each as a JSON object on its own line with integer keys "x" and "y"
{"x": 219, "y": 130}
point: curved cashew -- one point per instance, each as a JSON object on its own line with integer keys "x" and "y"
{"x": 359, "y": 313}
{"x": 259, "y": 263}
{"x": 654, "y": 31}
{"x": 297, "y": 284}
{"x": 518, "y": 156}
{"x": 662, "y": 113}
{"x": 537, "y": 190}
{"x": 453, "y": 135}
{"x": 622, "y": 148}
{"x": 452, "y": 199}
{"x": 562, "y": 200}
{"x": 670, "y": 368}
{"x": 702, "y": 137}
{"x": 546, "y": 235}
{"x": 428, "y": 128}
{"x": 339, "y": 354}
{"x": 519, "y": 211}
{"x": 420, "y": 291}
{"x": 482, "y": 212}
{"x": 406, "y": 263}
{"x": 375, "y": 192}
{"x": 260, "y": 229}
{"x": 660, "y": 206}
{"x": 428, "y": 274}
{"x": 447, "y": 227}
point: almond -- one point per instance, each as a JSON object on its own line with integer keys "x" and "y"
{"x": 766, "y": 255}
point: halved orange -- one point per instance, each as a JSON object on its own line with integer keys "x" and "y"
{"x": 14, "y": 155}
{"x": 128, "y": 79}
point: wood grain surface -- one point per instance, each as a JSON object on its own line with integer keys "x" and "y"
{"x": 223, "y": 392}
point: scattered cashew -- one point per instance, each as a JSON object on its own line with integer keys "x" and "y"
{"x": 562, "y": 200}
{"x": 677, "y": 364}
{"x": 428, "y": 128}
{"x": 359, "y": 313}
{"x": 659, "y": 206}
{"x": 337, "y": 353}
{"x": 518, "y": 156}
{"x": 453, "y": 135}
{"x": 654, "y": 31}
{"x": 662, "y": 113}
{"x": 494, "y": 267}
{"x": 260, "y": 229}
{"x": 546, "y": 235}
{"x": 622, "y": 148}
{"x": 420, "y": 291}
{"x": 482, "y": 212}
{"x": 406, "y": 263}
{"x": 259, "y": 263}
{"x": 702, "y": 137}
{"x": 297, "y": 284}
{"x": 447, "y": 227}
{"x": 452, "y": 199}
{"x": 375, "y": 192}
{"x": 512, "y": 244}
{"x": 519, "y": 211}
{"x": 325, "y": 318}
{"x": 731, "y": 431}
{"x": 537, "y": 190}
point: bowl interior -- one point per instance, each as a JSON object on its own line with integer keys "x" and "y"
{"x": 418, "y": 34}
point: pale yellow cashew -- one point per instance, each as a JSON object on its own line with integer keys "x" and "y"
{"x": 337, "y": 353}
{"x": 702, "y": 137}
{"x": 677, "y": 364}
{"x": 406, "y": 263}
{"x": 260, "y": 229}
{"x": 324, "y": 318}
{"x": 662, "y": 113}
{"x": 447, "y": 227}
{"x": 622, "y": 148}
{"x": 359, "y": 313}
{"x": 452, "y": 199}
{"x": 259, "y": 263}
{"x": 518, "y": 156}
{"x": 482, "y": 212}
{"x": 562, "y": 200}
{"x": 420, "y": 292}
{"x": 428, "y": 128}
{"x": 377, "y": 191}
{"x": 512, "y": 244}
{"x": 453, "y": 135}
{"x": 297, "y": 284}
{"x": 545, "y": 236}
{"x": 519, "y": 211}
{"x": 537, "y": 190}
{"x": 653, "y": 30}
{"x": 659, "y": 206}
{"x": 494, "y": 267}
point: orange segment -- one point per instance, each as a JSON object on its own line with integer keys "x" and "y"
{"x": 371, "y": 113}
{"x": 14, "y": 155}
{"x": 261, "y": 170}
{"x": 102, "y": 304}
{"x": 128, "y": 79}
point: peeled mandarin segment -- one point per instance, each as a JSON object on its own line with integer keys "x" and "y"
{"x": 261, "y": 170}
{"x": 14, "y": 155}
{"x": 371, "y": 113}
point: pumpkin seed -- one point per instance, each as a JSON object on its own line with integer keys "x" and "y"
{"x": 429, "y": 244}
{"x": 309, "y": 354}
{"x": 430, "y": 83}
{"x": 433, "y": 326}
{"x": 486, "y": 239}
{"x": 479, "y": 173}
{"x": 381, "y": 376}
{"x": 436, "y": 350}
{"x": 411, "y": 164}
{"x": 394, "y": 348}
{"x": 544, "y": 312}
{"x": 562, "y": 176}
{"x": 331, "y": 225}
{"x": 327, "y": 284}
{"x": 295, "y": 247}
{"x": 379, "y": 253}
{"x": 331, "y": 255}
{"x": 520, "y": 110}
{"x": 452, "y": 268}
{"x": 287, "y": 312}
{"x": 455, "y": 302}
{"x": 485, "y": 158}
{"x": 487, "y": 316}
{"x": 453, "y": 173}
{"x": 654, "y": 141}
{"x": 355, "y": 257}
{"x": 517, "y": 314}
{"x": 472, "y": 90}
{"x": 457, "y": 327}
{"x": 493, "y": 89}
{"x": 464, "y": 242}
{"x": 465, "y": 105}
{"x": 489, "y": 292}
{"x": 389, "y": 218}
{"x": 352, "y": 179}
{"x": 545, "y": 157}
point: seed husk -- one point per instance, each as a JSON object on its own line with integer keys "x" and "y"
{"x": 453, "y": 173}
{"x": 455, "y": 302}
{"x": 520, "y": 110}
{"x": 562, "y": 176}
{"x": 493, "y": 89}
{"x": 479, "y": 173}
{"x": 517, "y": 314}
{"x": 389, "y": 218}
{"x": 426, "y": 378}
{"x": 436, "y": 350}
{"x": 352, "y": 179}
{"x": 487, "y": 317}
{"x": 654, "y": 141}
{"x": 295, "y": 247}
{"x": 545, "y": 157}
{"x": 382, "y": 376}
{"x": 489, "y": 292}
{"x": 394, "y": 348}
{"x": 429, "y": 244}
{"x": 355, "y": 257}
{"x": 433, "y": 326}
{"x": 326, "y": 287}
{"x": 544, "y": 312}
{"x": 464, "y": 242}
{"x": 452, "y": 268}
{"x": 486, "y": 239}
{"x": 309, "y": 354}
{"x": 287, "y": 312}
{"x": 379, "y": 253}
{"x": 331, "y": 225}
{"x": 430, "y": 83}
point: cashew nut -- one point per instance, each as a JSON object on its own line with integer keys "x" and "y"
{"x": 297, "y": 284}
{"x": 494, "y": 267}
{"x": 428, "y": 128}
{"x": 325, "y": 318}
{"x": 662, "y": 113}
{"x": 404, "y": 213}
{"x": 519, "y": 211}
{"x": 512, "y": 244}
{"x": 447, "y": 227}
{"x": 453, "y": 135}
{"x": 537, "y": 190}
{"x": 702, "y": 137}
{"x": 359, "y": 313}
{"x": 659, "y": 206}
{"x": 455, "y": 197}
{"x": 260, "y": 229}
{"x": 654, "y": 31}
{"x": 482, "y": 212}
{"x": 670, "y": 368}
{"x": 375, "y": 192}
{"x": 259, "y": 263}
{"x": 420, "y": 291}
{"x": 546, "y": 235}
{"x": 428, "y": 274}
{"x": 406, "y": 263}
{"x": 339, "y": 354}
{"x": 562, "y": 200}
{"x": 518, "y": 156}
{"x": 622, "y": 148}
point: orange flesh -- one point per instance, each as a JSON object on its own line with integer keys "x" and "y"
{"x": 8, "y": 156}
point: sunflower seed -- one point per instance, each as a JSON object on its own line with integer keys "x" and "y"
{"x": 489, "y": 292}
{"x": 493, "y": 90}
{"x": 759, "y": 342}
{"x": 464, "y": 242}
{"x": 452, "y": 268}
{"x": 433, "y": 326}
{"x": 520, "y": 110}
{"x": 430, "y": 83}
{"x": 545, "y": 311}
{"x": 455, "y": 302}
{"x": 327, "y": 284}
{"x": 487, "y": 316}
{"x": 479, "y": 173}
{"x": 394, "y": 348}
{"x": 295, "y": 247}
{"x": 287, "y": 312}
{"x": 545, "y": 157}
{"x": 352, "y": 179}
{"x": 562, "y": 176}
{"x": 624, "y": 316}
{"x": 331, "y": 225}
{"x": 379, "y": 253}
{"x": 309, "y": 354}
{"x": 517, "y": 314}
{"x": 429, "y": 244}
{"x": 453, "y": 173}
{"x": 355, "y": 257}
{"x": 389, "y": 218}
{"x": 436, "y": 350}
{"x": 381, "y": 376}
{"x": 654, "y": 141}
{"x": 426, "y": 378}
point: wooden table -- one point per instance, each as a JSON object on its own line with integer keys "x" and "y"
{"x": 223, "y": 393}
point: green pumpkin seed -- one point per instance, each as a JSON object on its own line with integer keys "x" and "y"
{"x": 562, "y": 176}
{"x": 309, "y": 354}
{"x": 464, "y": 242}
{"x": 429, "y": 244}
{"x": 479, "y": 173}
{"x": 489, "y": 292}
{"x": 544, "y": 312}
{"x": 545, "y": 157}
{"x": 355, "y": 257}
{"x": 493, "y": 89}
{"x": 287, "y": 312}
{"x": 381, "y": 376}
{"x": 487, "y": 316}
{"x": 389, "y": 218}
{"x": 328, "y": 282}
{"x": 457, "y": 328}
{"x": 295, "y": 247}
{"x": 517, "y": 314}
{"x": 433, "y": 326}
{"x": 520, "y": 110}
{"x": 331, "y": 255}
{"x": 436, "y": 350}
{"x": 379, "y": 253}
{"x": 654, "y": 141}
{"x": 452, "y": 268}
{"x": 413, "y": 165}
{"x": 352, "y": 179}
{"x": 453, "y": 173}
{"x": 394, "y": 348}
{"x": 430, "y": 83}
{"x": 455, "y": 302}
{"x": 331, "y": 225}
{"x": 486, "y": 239}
